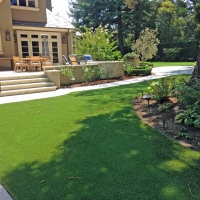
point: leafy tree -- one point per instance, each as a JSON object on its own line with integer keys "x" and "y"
{"x": 146, "y": 45}
{"x": 92, "y": 13}
{"x": 98, "y": 43}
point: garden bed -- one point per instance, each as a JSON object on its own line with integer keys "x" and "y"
{"x": 188, "y": 136}
{"x": 102, "y": 81}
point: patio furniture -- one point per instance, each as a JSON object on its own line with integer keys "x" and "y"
{"x": 20, "y": 64}
{"x": 46, "y": 61}
{"x": 65, "y": 60}
{"x": 73, "y": 59}
{"x": 35, "y": 63}
{"x": 87, "y": 57}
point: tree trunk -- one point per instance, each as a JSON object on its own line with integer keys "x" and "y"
{"x": 196, "y": 71}
{"x": 120, "y": 32}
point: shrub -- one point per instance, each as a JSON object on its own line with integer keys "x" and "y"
{"x": 161, "y": 89}
{"x": 190, "y": 50}
{"x": 98, "y": 72}
{"x": 131, "y": 55}
{"x": 142, "y": 71}
{"x": 172, "y": 54}
{"x": 98, "y": 43}
{"x": 67, "y": 71}
{"x": 146, "y": 64}
{"x": 88, "y": 73}
{"x": 165, "y": 106}
{"x": 189, "y": 96}
{"x": 129, "y": 69}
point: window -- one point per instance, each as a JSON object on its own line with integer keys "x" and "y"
{"x": 25, "y": 3}
{"x": 0, "y": 45}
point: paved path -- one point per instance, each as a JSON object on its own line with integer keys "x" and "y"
{"x": 158, "y": 73}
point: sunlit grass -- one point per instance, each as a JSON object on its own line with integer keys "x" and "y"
{"x": 163, "y": 64}
{"x": 91, "y": 145}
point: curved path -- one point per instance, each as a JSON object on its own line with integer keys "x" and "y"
{"x": 157, "y": 72}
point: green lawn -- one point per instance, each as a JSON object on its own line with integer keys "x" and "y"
{"x": 91, "y": 146}
{"x": 161, "y": 64}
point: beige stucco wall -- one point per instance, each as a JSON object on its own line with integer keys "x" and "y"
{"x": 111, "y": 69}
{"x": 7, "y": 46}
{"x": 29, "y": 15}
{"x": 49, "y": 5}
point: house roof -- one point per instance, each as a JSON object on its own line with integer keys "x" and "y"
{"x": 53, "y": 21}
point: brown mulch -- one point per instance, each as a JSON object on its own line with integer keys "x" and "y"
{"x": 103, "y": 81}
{"x": 164, "y": 122}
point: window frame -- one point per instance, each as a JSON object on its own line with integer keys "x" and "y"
{"x": 1, "y": 48}
{"x": 36, "y": 4}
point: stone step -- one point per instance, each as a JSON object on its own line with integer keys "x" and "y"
{"x": 26, "y": 86}
{"x": 23, "y": 81}
{"x": 27, "y": 91}
{"x": 21, "y": 76}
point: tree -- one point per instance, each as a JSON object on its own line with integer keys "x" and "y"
{"x": 146, "y": 45}
{"x": 98, "y": 43}
{"x": 92, "y": 13}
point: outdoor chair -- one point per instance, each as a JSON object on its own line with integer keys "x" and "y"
{"x": 19, "y": 64}
{"x": 73, "y": 59}
{"x": 65, "y": 60}
{"x": 48, "y": 61}
{"x": 87, "y": 57}
{"x": 35, "y": 63}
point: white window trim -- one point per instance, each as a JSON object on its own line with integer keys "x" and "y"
{"x": 25, "y": 7}
{"x": 29, "y": 39}
{"x": 1, "y": 50}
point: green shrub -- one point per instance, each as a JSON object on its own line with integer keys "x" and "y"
{"x": 146, "y": 64}
{"x": 97, "y": 42}
{"x": 129, "y": 69}
{"x": 190, "y": 50}
{"x": 165, "y": 106}
{"x": 67, "y": 71}
{"x": 161, "y": 89}
{"x": 98, "y": 72}
{"x": 142, "y": 71}
{"x": 172, "y": 54}
{"x": 88, "y": 73}
{"x": 131, "y": 55}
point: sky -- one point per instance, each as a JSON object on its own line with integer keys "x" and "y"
{"x": 60, "y": 6}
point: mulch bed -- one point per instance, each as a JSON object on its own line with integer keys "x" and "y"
{"x": 161, "y": 121}
{"x": 164, "y": 122}
{"x": 104, "y": 81}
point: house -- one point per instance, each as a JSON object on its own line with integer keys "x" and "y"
{"x": 29, "y": 27}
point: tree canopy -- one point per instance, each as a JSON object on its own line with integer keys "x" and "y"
{"x": 175, "y": 20}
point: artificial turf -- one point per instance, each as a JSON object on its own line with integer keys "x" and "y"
{"x": 91, "y": 145}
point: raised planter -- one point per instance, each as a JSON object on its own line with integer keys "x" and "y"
{"x": 111, "y": 69}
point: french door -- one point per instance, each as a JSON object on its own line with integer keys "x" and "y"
{"x": 39, "y": 44}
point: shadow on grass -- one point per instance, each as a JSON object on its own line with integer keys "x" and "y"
{"x": 111, "y": 157}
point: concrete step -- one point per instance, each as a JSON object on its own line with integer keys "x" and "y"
{"x": 21, "y": 76}
{"x": 26, "y": 86}
{"x": 23, "y": 81}
{"x": 27, "y": 91}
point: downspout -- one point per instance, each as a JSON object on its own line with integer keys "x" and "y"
{"x": 67, "y": 43}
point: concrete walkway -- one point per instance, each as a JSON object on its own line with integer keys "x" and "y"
{"x": 158, "y": 73}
